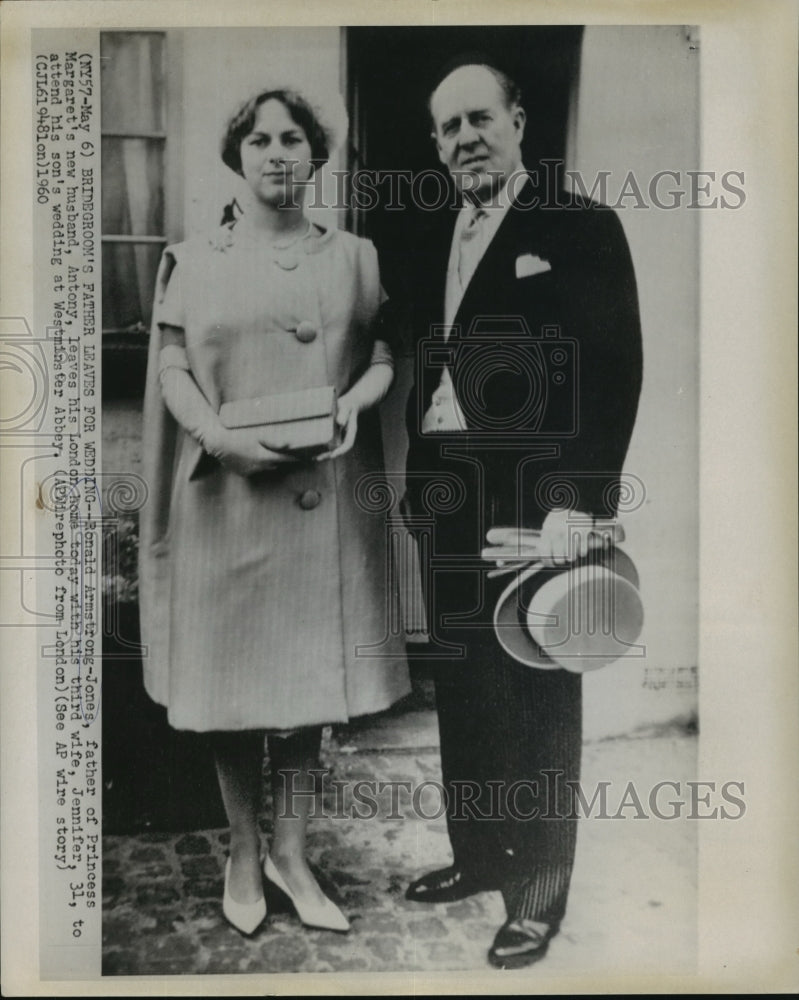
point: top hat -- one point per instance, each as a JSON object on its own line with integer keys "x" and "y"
{"x": 581, "y": 617}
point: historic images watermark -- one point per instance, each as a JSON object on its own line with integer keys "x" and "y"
{"x": 547, "y": 797}
{"x": 554, "y": 187}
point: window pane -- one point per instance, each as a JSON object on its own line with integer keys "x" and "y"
{"x": 132, "y": 81}
{"x": 133, "y": 187}
{"x": 129, "y": 271}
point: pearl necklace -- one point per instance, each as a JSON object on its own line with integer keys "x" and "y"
{"x": 288, "y": 262}
{"x": 293, "y": 240}
{"x": 283, "y": 259}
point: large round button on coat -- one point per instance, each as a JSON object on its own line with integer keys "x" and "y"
{"x": 310, "y": 499}
{"x": 306, "y": 332}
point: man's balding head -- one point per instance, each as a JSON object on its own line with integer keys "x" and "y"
{"x": 478, "y": 126}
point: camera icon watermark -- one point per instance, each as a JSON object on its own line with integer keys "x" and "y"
{"x": 507, "y": 382}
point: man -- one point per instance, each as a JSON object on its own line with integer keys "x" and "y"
{"x": 527, "y": 384}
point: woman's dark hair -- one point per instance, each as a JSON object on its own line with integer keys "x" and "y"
{"x": 241, "y": 124}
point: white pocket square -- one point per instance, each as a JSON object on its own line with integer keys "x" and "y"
{"x": 528, "y": 264}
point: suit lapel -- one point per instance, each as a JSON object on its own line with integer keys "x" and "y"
{"x": 482, "y": 289}
{"x": 440, "y": 246}
{"x": 434, "y": 248}
{"x": 511, "y": 237}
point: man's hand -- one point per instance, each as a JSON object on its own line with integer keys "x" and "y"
{"x": 565, "y": 537}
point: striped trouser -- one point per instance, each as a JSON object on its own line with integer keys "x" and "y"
{"x": 511, "y": 735}
{"x": 510, "y": 742}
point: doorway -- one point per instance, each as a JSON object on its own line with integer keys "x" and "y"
{"x": 390, "y": 72}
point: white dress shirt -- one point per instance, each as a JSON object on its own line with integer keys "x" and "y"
{"x": 465, "y": 255}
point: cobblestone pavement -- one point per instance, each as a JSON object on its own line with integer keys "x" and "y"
{"x": 631, "y": 909}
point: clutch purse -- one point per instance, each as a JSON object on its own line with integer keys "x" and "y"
{"x": 303, "y": 421}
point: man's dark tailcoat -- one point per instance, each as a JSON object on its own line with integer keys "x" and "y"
{"x": 545, "y": 357}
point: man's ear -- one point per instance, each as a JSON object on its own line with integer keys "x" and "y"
{"x": 519, "y": 120}
{"x": 437, "y": 144}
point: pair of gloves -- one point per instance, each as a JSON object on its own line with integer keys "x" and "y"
{"x": 565, "y": 537}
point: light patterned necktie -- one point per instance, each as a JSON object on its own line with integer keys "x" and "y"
{"x": 469, "y": 248}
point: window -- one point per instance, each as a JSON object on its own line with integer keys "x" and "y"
{"x": 138, "y": 205}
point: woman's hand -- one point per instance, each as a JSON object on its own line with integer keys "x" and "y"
{"x": 242, "y": 451}
{"x": 367, "y": 392}
{"x": 347, "y": 419}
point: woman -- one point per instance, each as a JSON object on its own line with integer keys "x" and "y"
{"x": 261, "y": 574}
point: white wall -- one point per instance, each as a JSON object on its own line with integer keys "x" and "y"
{"x": 638, "y": 109}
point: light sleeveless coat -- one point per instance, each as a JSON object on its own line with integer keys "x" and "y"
{"x": 260, "y": 609}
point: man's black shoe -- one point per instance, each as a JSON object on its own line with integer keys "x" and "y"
{"x": 520, "y": 942}
{"x": 445, "y": 886}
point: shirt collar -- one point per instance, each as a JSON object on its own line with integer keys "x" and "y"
{"x": 501, "y": 200}
{"x": 498, "y": 205}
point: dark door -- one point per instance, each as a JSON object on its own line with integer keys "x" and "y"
{"x": 390, "y": 72}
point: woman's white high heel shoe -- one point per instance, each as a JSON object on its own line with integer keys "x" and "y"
{"x": 245, "y": 917}
{"x": 326, "y": 915}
